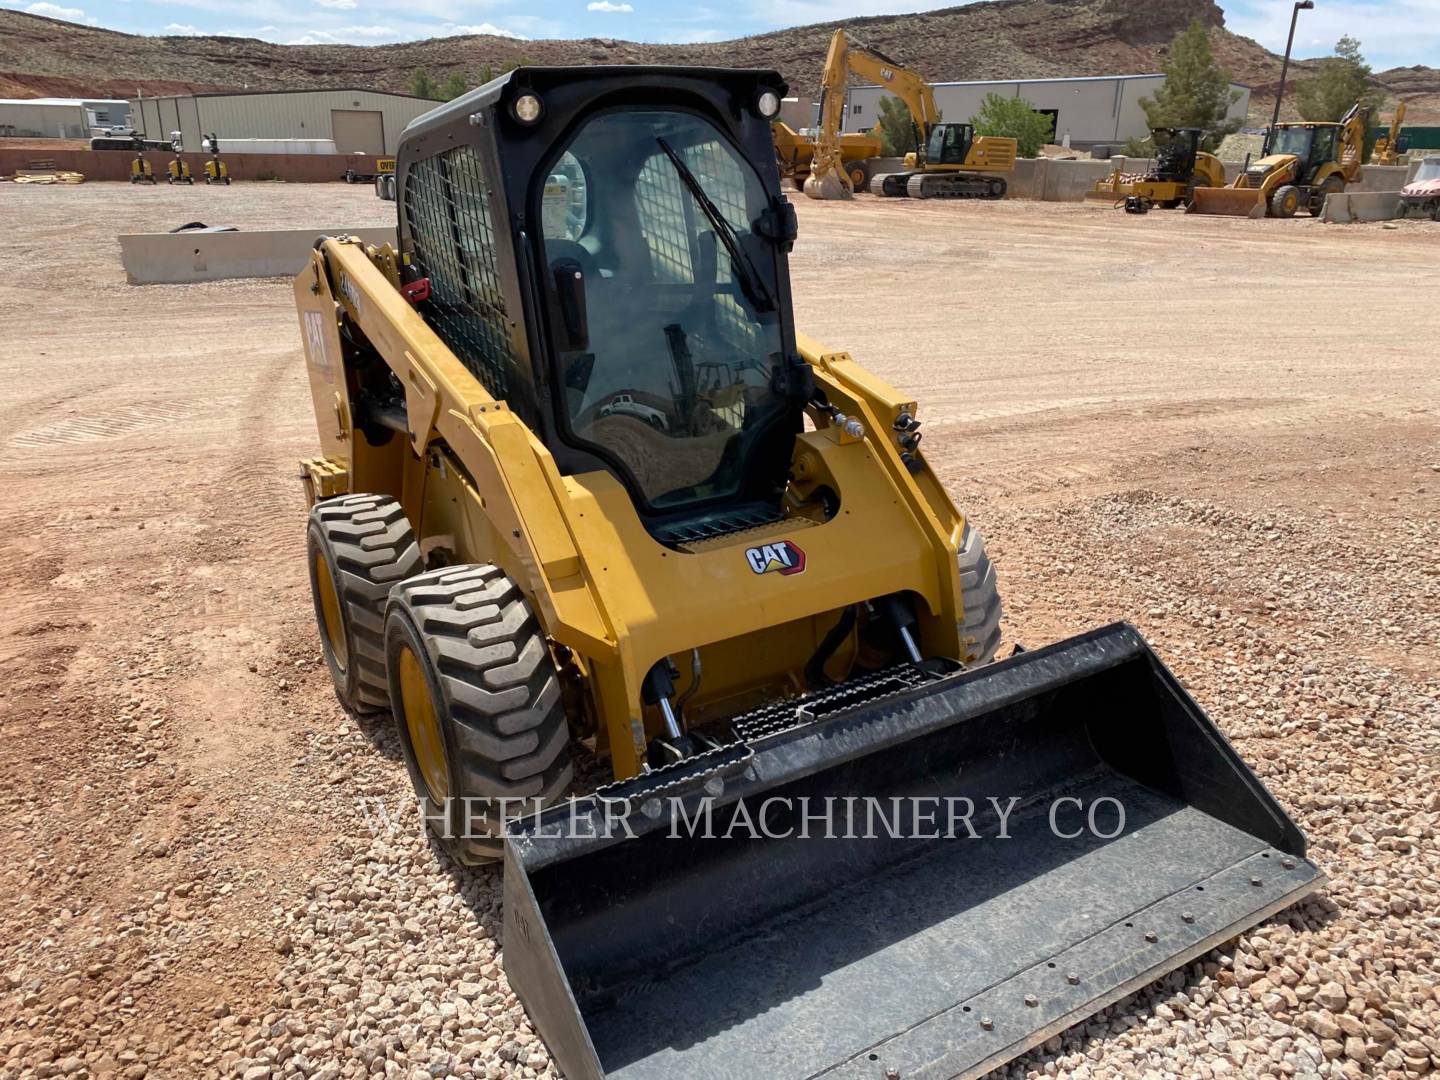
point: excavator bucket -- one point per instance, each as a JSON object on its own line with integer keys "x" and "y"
{"x": 915, "y": 875}
{"x": 829, "y": 187}
{"x": 1228, "y": 202}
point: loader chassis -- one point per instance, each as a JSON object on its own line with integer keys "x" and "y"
{"x": 479, "y": 410}
{"x": 581, "y": 482}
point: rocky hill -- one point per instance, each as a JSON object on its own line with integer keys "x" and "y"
{"x": 998, "y": 39}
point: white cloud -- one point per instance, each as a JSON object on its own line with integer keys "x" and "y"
{"x": 606, "y": 5}
{"x": 346, "y": 35}
{"x": 451, "y": 30}
{"x": 343, "y": 5}
{"x": 55, "y": 11}
{"x": 182, "y": 30}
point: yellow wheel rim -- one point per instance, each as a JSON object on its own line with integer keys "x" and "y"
{"x": 330, "y": 611}
{"x": 1292, "y": 202}
{"x": 423, "y": 725}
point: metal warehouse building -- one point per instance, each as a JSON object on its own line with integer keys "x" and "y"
{"x": 1099, "y": 109}
{"x": 358, "y": 121}
{"x": 60, "y": 118}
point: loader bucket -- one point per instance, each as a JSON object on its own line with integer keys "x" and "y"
{"x": 1228, "y": 202}
{"x": 827, "y": 945}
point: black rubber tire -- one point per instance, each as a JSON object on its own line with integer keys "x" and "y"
{"x": 496, "y": 694}
{"x": 980, "y": 595}
{"x": 1280, "y": 201}
{"x": 368, "y": 545}
{"x": 1333, "y": 185}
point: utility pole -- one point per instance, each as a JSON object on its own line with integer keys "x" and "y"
{"x": 1306, "y": 5}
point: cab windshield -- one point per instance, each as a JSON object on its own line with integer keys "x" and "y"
{"x": 1294, "y": 140}
{"x": 665, "y": 301}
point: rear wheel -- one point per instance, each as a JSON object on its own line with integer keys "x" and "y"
{"x": 1285, "y": 201}
{"x": 1333, "y": 185}
{"x": 859, "y": 175}
{"x": 477, "y": 702}
{"x": 980, "y": 595}
{"x": 358, "y": 546}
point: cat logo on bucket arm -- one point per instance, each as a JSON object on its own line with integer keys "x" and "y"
{"x": 782, "y": 557}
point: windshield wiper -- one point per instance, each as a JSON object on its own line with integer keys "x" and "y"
{"x": 751, "y": 283}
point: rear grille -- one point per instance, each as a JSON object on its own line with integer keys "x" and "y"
{"x": 711, "y": 526}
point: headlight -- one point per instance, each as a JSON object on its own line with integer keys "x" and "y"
{"x": 527, "y": 108}
{"x": 767, "y": 104}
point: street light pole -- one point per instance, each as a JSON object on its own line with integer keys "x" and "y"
{"x": 1307, "y": 5}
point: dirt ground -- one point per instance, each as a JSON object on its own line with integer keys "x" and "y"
{"x": 1222, "y": 430}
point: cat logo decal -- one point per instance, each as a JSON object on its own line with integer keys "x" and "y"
{"x": 781, "y": 557}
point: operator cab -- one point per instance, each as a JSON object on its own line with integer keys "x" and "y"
{"x": 652, "y": 239}
{"x": 1175, "y": 152}
{"x": 949, "y": 144}
{"x": 1312, "y": 144}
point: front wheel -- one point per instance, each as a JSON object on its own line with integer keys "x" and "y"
{"x": 477, "y": 702}
{"x": 1285, "y": 201}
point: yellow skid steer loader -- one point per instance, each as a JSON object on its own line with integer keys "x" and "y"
{"x": 584, "y": 490}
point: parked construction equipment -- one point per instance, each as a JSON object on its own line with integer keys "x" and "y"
{"x": 177, "y": 171}
{"x": 794, "y": 151}
{"x": 950, "y": 161}
{"x": 1299, "y": 166}
{"x": 1386, "y": 150}
{"x": 1178, "y": 168}
{"x": 581, "y": 481}
{"x": 141, "y": 171}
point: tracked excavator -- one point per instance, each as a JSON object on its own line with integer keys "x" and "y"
{"x": 1300, "y": 164}
{"x": 585, "y": 493}
{"x": 950, "y": 162}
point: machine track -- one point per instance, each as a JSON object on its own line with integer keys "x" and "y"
{"x": 922, "y": 185}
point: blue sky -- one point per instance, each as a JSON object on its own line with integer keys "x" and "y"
{"x": 1393, "y": 32}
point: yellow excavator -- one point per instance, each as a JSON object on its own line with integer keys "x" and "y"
{"x": 951, "y": 162}
{"x": 584, "y": 495}
{"x": 1386, "y": 150}
{"x": 1300, "y": 164}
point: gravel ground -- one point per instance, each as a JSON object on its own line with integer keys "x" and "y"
{"x": 1149, "y": 418}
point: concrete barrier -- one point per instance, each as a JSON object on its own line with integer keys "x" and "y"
{"x": 179, "y": 258}
{"x": 1350, "y": 206}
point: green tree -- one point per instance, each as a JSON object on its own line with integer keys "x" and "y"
{"x": 423, "y": 86}
{"x": 453, "y": 86}
{"x": 897, "y": 129}
{"x": 1196, "y": 92}
{"x": 1014, "y": 118}
{"x": 1341, "y": 81}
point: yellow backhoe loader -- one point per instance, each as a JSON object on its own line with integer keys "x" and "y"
{"x": 583, "y": 489}
{"x": 1386, "y": 150}
{"x": 795, "y": 150}
{"x": 951, "y": 162}
{"x": 1299, "y": 166}
{"x": 1179, "y": 167}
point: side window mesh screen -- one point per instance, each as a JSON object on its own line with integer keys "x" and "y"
{"x": 660, "y": 203}
{"x": 453, "y": 238}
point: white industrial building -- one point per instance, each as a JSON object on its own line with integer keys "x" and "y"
{"x": 60, "y": 118}
{"x": 355, "y": 121}
{"x": 1089, "y": 110}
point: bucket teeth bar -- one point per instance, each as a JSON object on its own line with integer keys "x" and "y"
{"x": 1055, "y": 830}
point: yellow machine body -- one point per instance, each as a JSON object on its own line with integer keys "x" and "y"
{"x": 1209, "y": 173}
{"x": 480, "y": 487}
{"x": 1385, "y": 151}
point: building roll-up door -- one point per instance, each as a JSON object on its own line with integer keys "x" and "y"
{"x": 358, "y": 131}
